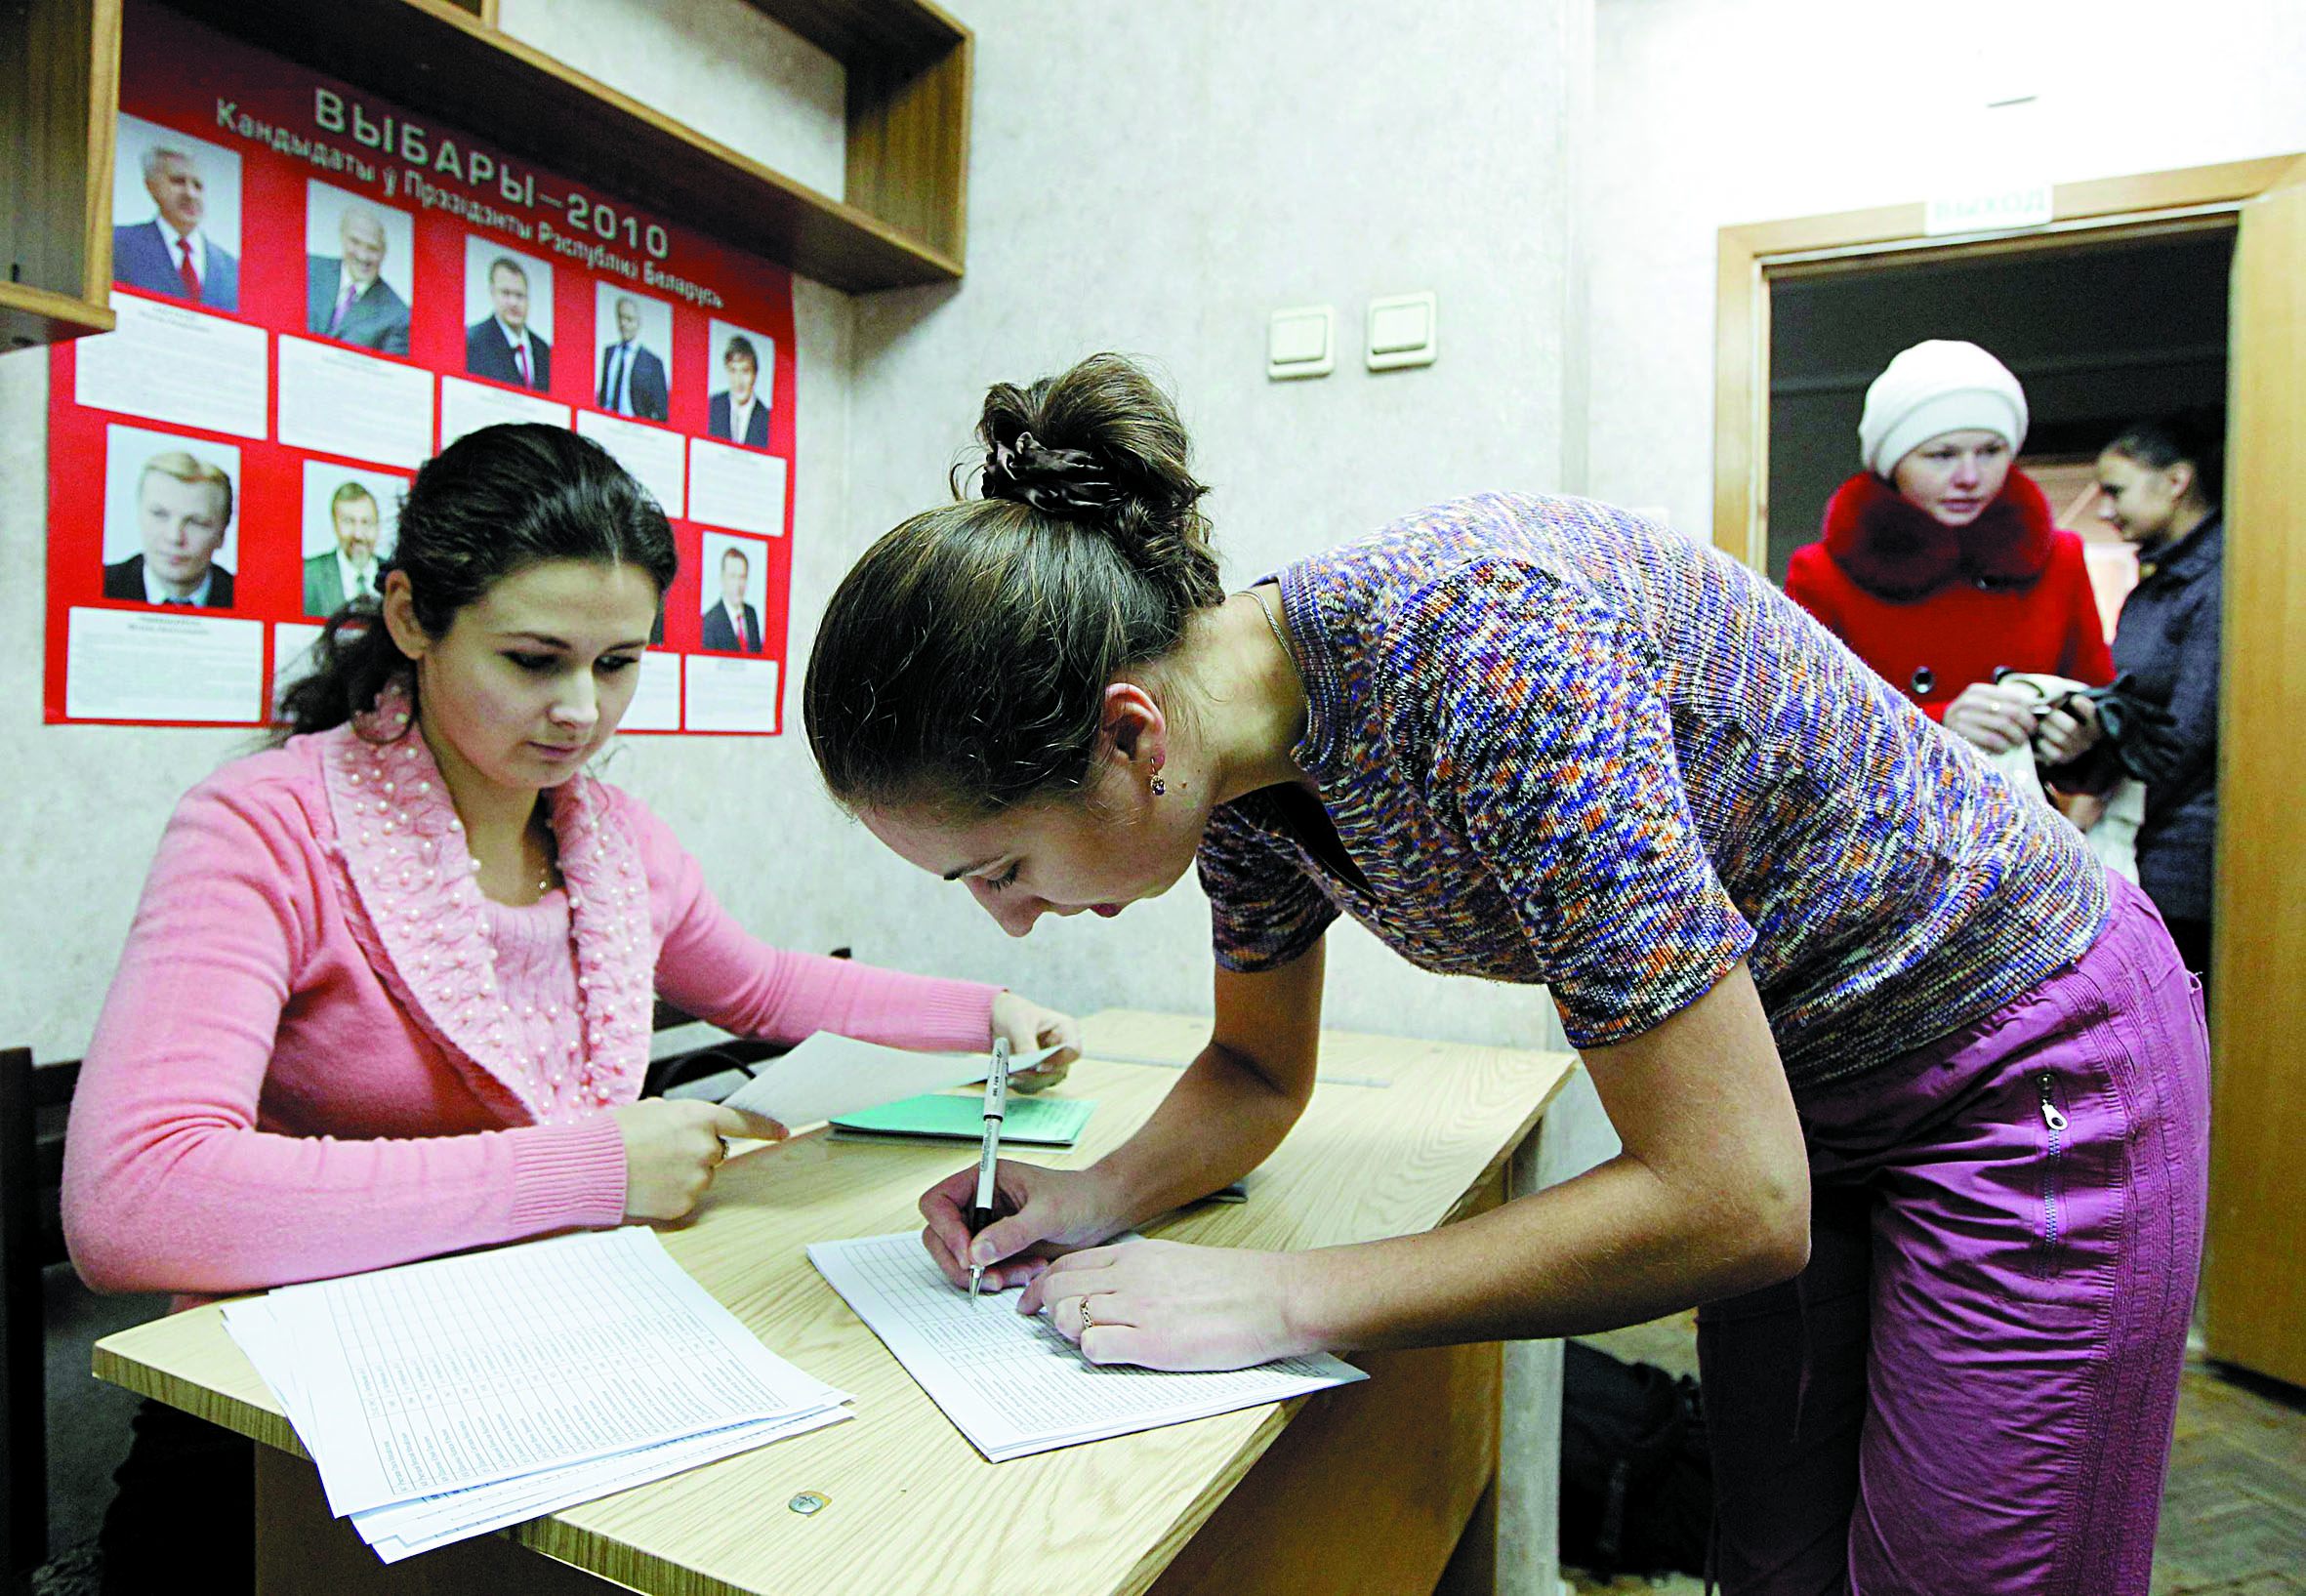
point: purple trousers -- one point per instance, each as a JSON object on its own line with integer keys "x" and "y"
{"x": 1969, "y": 1391}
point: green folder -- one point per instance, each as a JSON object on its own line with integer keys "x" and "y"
{"x": 1034, "y": 1121}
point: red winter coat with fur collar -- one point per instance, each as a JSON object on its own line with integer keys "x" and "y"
{"x": 1933, "y": 608}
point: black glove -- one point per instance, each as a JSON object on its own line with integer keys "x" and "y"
{"x": 2144, "y": 735}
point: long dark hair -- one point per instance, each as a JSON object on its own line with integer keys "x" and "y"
{"x": 2195, "y": 437}
{"x": 963, "y": 662}
{"x": 492, "y": 503}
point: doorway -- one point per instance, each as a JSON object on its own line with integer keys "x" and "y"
{"x": 2250, "y": 217}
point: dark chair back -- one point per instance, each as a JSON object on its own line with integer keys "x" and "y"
{"x": 732, "y": 1053}
{"x": 33, "y": 1102}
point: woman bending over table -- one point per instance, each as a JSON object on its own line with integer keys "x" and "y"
{"x": 1912, "y": 1095}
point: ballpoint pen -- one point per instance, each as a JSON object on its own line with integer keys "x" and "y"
{"x": 980, "y": 1213}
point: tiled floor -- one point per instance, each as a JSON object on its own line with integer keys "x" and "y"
{"x": 2234, "y": 1514}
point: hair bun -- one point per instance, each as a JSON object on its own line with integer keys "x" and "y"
{"x": 1063, "y": 483}
{"x": 1101, "y": 446}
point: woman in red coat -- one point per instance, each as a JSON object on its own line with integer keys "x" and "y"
{"x": 1939, "y": 563}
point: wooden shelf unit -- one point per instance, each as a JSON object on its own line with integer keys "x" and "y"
{"x": 904, "y": 223}
{"x": 59, "y": 84}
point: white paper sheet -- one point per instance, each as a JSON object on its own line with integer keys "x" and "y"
{"x": 399, "y": 1532}
{"x": 1011, "y": 1383}
{"x": 658, "y": 459}
{"x": 741, "y": 489}
{"x": 468, "y": 407}
{"x": 656, "y": 697}
{"x": 464, "y": 1371}
{"x": 829, "y": 1075}
{"x": 174, "y": 364}
{"x": 362, "y": 406}
{"x": 162, "y": 665}
{"x": 730, "y": 694}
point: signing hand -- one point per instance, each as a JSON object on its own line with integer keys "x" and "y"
{"x": 1996, "y": 718}
{"x": 673, "y": 1147}
{"x": 1048, "y": 1212}
{"x": 1165, "y": 1305}
{"x": 1030, "y": 1027}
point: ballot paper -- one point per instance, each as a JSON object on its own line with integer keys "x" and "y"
{"x": 1011, "y": 1383}
{"x": 443, "y": 1399}
{"x": 827, "y": 1075}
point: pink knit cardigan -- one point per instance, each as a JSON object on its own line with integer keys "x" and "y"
{"x": 325, "y": 1051}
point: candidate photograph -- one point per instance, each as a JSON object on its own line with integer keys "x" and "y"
{"x": 634, "y": 335}
{"x": 358, "y": 271}
{"x": 743, "y": 365}
{"x": 736, "y": 583}
{"x": 175, "y": 216}
{"x": 168, "y": 514}
{"x": 508, "y": 316}
{"x": 348, "y": 519}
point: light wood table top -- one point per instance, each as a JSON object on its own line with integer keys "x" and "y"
{"x": 911, "y": 1505}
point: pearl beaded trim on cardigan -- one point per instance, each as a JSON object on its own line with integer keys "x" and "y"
{"x": 427, "y": 926}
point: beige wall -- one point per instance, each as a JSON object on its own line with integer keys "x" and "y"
{"x": 1143, "y": 177}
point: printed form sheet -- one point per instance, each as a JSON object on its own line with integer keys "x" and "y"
{"x": 1013, "y": 1384}
{"x": 433, "y": 1378}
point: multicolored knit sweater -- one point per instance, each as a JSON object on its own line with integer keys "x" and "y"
{"x": 1568, "y": 747}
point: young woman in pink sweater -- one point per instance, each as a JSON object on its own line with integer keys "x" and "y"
{"x": 389, "y": 992}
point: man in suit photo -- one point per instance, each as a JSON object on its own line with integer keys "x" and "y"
{"x": 345, "y": 298}
{"x": 502, "y": 347}
{"x": 632, "y": 376}
{"x": 732, "y": 625}
{"x": 735, "y": 414}
{"x": 169, "y": 253}
{"x": 183, "y": 508}
{"x": 346, "y": 573}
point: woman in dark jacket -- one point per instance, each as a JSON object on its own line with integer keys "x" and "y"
{"x": 2161, "y": 481}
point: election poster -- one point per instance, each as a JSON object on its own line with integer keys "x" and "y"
{"x": 317, "y": 292}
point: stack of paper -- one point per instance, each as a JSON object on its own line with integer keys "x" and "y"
{"x": 1010, "y": 1382}
{"x": 444, "y": 1399}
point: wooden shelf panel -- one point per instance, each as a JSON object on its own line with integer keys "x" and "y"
{"x": 442, "y": 62}
{"x": 891, "y": 33}
{"x": 32, "y": 315}
{"x": 59, "y": 70}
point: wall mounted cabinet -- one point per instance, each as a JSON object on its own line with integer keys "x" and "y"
{"x": 903, "y": 223}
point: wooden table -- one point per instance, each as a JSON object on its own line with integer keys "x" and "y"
{"x": 1368, "y": 1488}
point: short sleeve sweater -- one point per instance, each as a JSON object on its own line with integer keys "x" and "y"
{"x": 1563, "y": 746}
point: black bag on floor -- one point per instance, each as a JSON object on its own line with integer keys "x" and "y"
{"x": 1636, "y": 1482}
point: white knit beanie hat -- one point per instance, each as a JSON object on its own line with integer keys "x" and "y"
{"x": 1941, "y": 385}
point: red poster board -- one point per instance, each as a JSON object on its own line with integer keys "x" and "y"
{"x": 317, "y": 292}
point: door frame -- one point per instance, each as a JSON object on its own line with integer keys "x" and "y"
{"x": 2253, "y": 1292}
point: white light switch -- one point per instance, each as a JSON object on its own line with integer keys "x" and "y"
{"x": 1401, "y": 331}
{"x": 1303, "y": 343}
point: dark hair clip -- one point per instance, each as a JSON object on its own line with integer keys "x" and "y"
{"x": 1063, "y": 483}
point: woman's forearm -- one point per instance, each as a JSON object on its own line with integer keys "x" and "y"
{"x": 1220, "y": 1121}
{"x": 1614, "y": 1247}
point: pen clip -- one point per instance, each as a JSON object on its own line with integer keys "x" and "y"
{"x": 996, "y": 1082}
